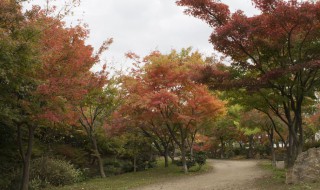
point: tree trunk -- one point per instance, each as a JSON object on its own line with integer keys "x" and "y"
{"x": 135, "y": 163}
{"x": 173, "y": 153}
{"x": 97, "y": 155}
{"x": 222, "y": 148}
{"x": 172, "y": 159}
{"x": 183, "y": 158}
{"x": 294, "y": 145}
{"x": 250, "y": 150}
{"x": 27, "y": 159}
{"x": 166, "y": 159}
{"x": 172, "y": 156}
{"x": 272, "y": 148}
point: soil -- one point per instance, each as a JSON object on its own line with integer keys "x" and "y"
{"x": 225, "y": 175}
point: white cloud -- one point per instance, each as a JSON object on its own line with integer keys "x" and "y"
{"x": 142, "y": 26}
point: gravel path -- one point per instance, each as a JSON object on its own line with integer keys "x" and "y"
{"x": 226, "y": 175}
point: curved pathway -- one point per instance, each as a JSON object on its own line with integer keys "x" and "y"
{"x": 226, "y": 175}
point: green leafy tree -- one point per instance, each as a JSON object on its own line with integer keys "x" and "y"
{"x": 94, "y": 111}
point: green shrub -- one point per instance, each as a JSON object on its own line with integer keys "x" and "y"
{"x": 200, "y": 158}
{"x": 76, "y": 156}
{"x": 112, "y": 170}
{"x": 54, "y": 172}
{"x": 190, "y": 161}
{"x": 308, "y": 145}
{"x": 239, "y": 151}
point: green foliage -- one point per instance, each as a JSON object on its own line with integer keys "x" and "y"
{"x": 75, "y": 155}
{"x": 8, "y": 155}
{"x": 200, "y": 158}
{"x": 136, "y": 180}
{"x": 189, "y": 159}
{"x": 37, "y": 184}
{"x": 315, "y": 144}
{"x": 54, "y": 172}
{"x": 116, "y": 166}
{"x": 277, "y": 180}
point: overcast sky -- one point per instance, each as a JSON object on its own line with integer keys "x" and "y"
{"x": 142, "y": 26}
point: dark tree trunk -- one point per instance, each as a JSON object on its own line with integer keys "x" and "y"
{"x": 250, "y": 150}
{"x": 222, "y": 148}
{"x": 299, "y": 131}
{"x": 166, "y": 157}
{"x": 135, "y": 163}
{"x": 171, "y": 155}
{"x": 191, "y": 152}
{"x": 292, "y": 149}
{"x": 98, "y": 156}
{"x": 26, "y": 158}
{"x": 272, "y": 148}
{"x": 183, "y": 158}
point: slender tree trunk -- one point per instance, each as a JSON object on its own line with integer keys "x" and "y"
{"x": 166, "y": 159}
{"x": 191, "y": 144}
{"x": 135, "y": 163}
{"x": 98, "y": 156}
{"x": 27, "y": 159}
{"x": 191, "y": 152}
{"x": 222, "y": 148}
{"x": 272, "y": 148}
{"x": 291, "y": 150}
{"x": 183, "y": 158}
{"x": 240, "y": 144}
{"x": 171, "y": 155}
{"x": 300, "y": 130}
{"x": 183, "y": 151}
{"x": 173, "y": 152}
{"x": 250, "y": 150}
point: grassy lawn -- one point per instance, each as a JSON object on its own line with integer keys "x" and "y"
{"x": 132, "y": 180}
{"x": 276, "y": 180}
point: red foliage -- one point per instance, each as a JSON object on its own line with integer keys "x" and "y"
{"x": 163, "y": 93}
{"x": 273, "y": 45}
{"x": 64, "y": 75}
{"x": 202, "y": 143}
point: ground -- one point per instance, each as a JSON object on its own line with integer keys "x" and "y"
{"x": 215, "y": 175}
{"x": 226, "y": 175}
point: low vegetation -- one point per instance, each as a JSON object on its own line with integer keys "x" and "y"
{"x": 134, "y": 180}
{"x": 276, "y": 180}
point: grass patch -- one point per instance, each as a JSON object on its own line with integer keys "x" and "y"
{"x": 134, "y": 180}
{"x": 276, "y": 180}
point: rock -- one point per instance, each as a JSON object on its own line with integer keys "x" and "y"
{"x": 280, "y": 164}
{"x": 306, "y": 168}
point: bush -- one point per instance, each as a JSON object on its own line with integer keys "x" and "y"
{"x": 308, "y": 145}
{"x": 119, "y": 166}
{"x": 54, "y": 172}
{"x": 239, "y": 151}
{"x": 200, "y": 158}
{"x": 190, "y": 161}
{"x": 280, "y": 154}
{"x": 77, "y": 156}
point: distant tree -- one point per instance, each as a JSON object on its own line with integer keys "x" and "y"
{"x": 166, "y": 92}
{"x": 94, "y": 110}
{"x": 225, "y": 128}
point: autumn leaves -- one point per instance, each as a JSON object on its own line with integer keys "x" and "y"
{"x": 166, "y": 103}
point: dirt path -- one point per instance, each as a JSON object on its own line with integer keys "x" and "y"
{"x": 226, "y": 175}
